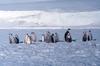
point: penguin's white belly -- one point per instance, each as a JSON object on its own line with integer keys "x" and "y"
{"x": 42, "y": 38}
{"x": 28, "y": 41}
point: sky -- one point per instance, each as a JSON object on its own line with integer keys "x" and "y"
{"x": 65, "y": 5}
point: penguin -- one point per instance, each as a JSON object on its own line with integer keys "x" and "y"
{"x": 33, "y": 37}
{"x": 43, "y": 38}
{"x": 68, "y": 38}
{"x": 84, "y": 38}
{"x": 27, "y": 39}
{"x": 10, "y": 39}
{"x": 90, "y": 37}
{"x": 52, "y": 38}
{"x": 48, "y": 37}
{"x": 65, "y": 36}
{"x": 16, "y": 39}
{"x": 56, "y": 37}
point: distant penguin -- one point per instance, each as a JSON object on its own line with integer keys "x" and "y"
{"x": 16, "y": 39}
{"x": 27, "y": 39}
{"x": 10, "y": 39}
{"x": 52, "y": 38}
{"x": 43, "y": 38}
{"x": 68, "y": 38}
{"x": 90, "y": 37}
{"x": 33, "y": 37}
{"x": 48, "y": 37}
{"x": 56, "y": 37}
{"x": 84, "y": 38}
{"x": 65, "y": 36}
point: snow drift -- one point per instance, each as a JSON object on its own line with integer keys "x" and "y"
{"x": 48, "y": 18}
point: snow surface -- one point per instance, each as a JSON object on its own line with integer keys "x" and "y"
{"x": 48, "y": 18}
{"x": 43, "y": 54}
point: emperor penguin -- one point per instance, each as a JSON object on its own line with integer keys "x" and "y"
{"x": 27, "y": 39}
{"x": 33, "y": 37}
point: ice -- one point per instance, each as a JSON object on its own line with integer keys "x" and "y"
{"x": 49, "y": 54}
{"x": 38, "y": 18}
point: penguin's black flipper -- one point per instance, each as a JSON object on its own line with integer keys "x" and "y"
{"x": 21, "y": 42}
{"x": 74, "y": 40}
{"x": 94, "y": 39}
{"x": 40, "y": 40}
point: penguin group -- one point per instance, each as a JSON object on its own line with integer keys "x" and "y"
{"x": 13, "y": 39}
{"x": 87, "y": 36}
{"x": 48, "y": 37}
{"x": 30, "y": 39}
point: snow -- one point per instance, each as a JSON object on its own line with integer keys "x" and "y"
{"x": 49, "y": 54}
{"x": 42, "y": 54}
{"x": 48, "y": 18}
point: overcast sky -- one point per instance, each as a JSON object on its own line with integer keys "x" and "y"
{"x": 67, "y": 5}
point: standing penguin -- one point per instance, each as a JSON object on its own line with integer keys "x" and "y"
{"x": 43, "y": 38}
{"x": 52, "y": 38}
{"x": 33, "y": 37}
{"x": 90, "y": 37}
{"x": 16, "y": 39}
{"x": 65, "y": 36}
{"x": 48, "y": 37}
{"x": 68, "y": 38}
{"x": 27, "y": 39}
{"x": 10, "y": 38}
{"x": 56, "y": 37}
{"x": 84, "y": 38}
